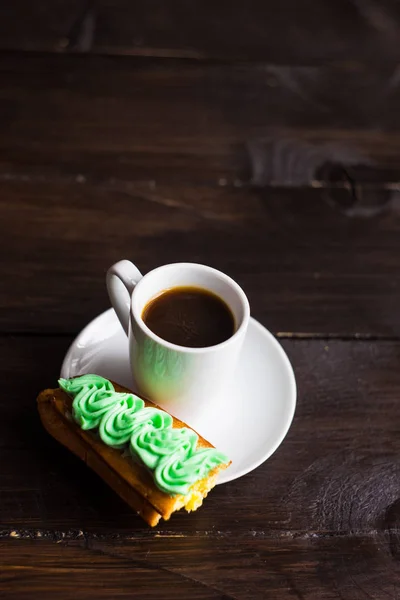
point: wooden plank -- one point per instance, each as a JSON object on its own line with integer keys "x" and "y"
{"x": 136, "y": 119}
{"x": 200, "y": 567}
{"x": 45, "y": 570}
{"x": 306, "y": 266}
{"x": 281, "y": 33}
{"x": 319, "y": 520}
{"x": 284, "y": 33}
{"x": 336, "y": 472}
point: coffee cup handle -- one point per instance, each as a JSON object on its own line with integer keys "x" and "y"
{"x": 121, "y": 280}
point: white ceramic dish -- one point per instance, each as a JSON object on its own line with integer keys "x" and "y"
{"x": 255, "y": 413}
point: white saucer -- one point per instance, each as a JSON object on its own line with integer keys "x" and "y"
{"x": 253, "y": 418}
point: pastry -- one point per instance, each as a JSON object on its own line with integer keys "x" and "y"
{"x": 156, "y": 463}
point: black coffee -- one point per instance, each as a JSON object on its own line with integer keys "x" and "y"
{"x": 189, "y": 316}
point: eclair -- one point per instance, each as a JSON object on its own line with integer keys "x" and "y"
{"x": 156, "y": 463}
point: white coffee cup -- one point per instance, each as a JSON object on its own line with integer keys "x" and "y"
{"x": 181, "y": 379}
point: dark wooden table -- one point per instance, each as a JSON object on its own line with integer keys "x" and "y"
{"x": 162, "y": 132}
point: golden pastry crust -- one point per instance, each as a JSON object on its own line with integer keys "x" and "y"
{"x": 130, "y": 480}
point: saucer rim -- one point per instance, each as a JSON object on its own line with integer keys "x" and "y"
{"x": 291, "y": 406}
{"x": 291, "y": 402}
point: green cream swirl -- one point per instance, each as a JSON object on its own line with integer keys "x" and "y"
{"x": 153, "y": 445}
{"x": 123, "y": 420}
{"x": 177, "y": 472}
{"x": 93, "y": 397}
{"x": 117, "y": 424}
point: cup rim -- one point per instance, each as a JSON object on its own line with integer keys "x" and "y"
{"x": 135, "y": 316}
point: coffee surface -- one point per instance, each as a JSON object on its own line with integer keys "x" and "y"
{"x": 189, "y": 316}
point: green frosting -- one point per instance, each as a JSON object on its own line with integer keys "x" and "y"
{"x": 93, "y": 397}
{"x": 123, "y": 420}
{"x": 177, "y": 472}
{"x": 153, "y": 445}
{"x": 118, "y": 423}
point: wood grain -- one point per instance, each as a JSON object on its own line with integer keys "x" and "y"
{"x": 306, "y": 265}
{"x": 318, "y": 520}
{"x": 284, "y": 173}
{"x": 337, "y": 471}
{"x": 136, "y": 119}
{"x": 202, "y": 567}
{"x": 285, "y": 32}
{"x": 47, "y": 570}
